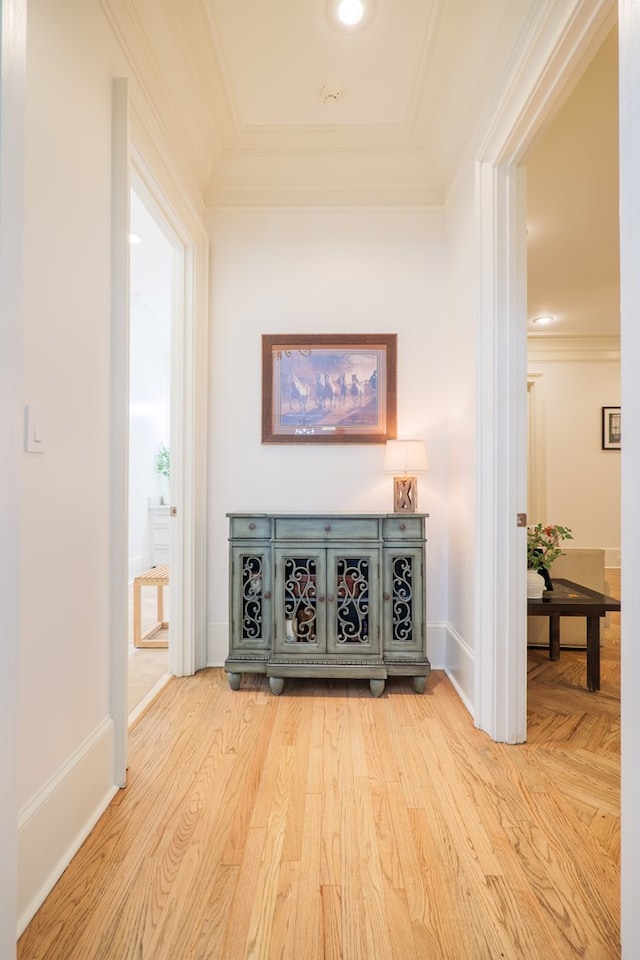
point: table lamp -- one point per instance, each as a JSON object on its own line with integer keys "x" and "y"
{"x": 405, "y": 458}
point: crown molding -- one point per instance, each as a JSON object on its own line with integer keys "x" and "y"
{"x": 586, "y": 349}
{"x": 532, "y": 91}
{"x": 152, "y": 94}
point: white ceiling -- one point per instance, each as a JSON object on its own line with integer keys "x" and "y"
{"x": 243, "y": 78}
{"x": 415, "y": 88}
{"x": 573, "y": 224}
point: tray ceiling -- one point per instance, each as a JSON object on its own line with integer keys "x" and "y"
{"x": 273, "y": 105}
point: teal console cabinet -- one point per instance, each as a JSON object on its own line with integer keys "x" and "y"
{"x": 330, "y": 595}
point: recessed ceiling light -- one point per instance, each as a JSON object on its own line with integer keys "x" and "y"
{"x": 350, "y": 12}
{"x": 350, "y": 16}
{"x": 542, "y": 321}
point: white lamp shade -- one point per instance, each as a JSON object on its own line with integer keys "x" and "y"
{"x": 405, "y": 456}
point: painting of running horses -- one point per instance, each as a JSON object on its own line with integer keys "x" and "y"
{"x": 328, "y": 388}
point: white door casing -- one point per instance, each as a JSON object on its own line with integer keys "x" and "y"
{"x": 562, "y": 38}
{"x": 143, "y": 162}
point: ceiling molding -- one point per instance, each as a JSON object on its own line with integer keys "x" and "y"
{"x": 284, "y": 195}
{"x": 591, "y": 349}
{"x": 331, "y": 178}
{"x": 153, "y": 93}
{"x": 556, "y": 45}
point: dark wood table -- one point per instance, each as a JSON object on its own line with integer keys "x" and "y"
{"x": 568, "y": 599}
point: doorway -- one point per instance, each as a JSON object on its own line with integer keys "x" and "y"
{"x": 557, "y": 58}
{"x": 573, "y": 359}
{"x": 152, "y": 299}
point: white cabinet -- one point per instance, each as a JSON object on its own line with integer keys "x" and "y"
{"x": 159, "y": 535}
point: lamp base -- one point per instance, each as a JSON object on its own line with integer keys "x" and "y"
{"x": 405, "y": 494}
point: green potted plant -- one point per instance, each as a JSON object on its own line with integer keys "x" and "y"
{"x": 163, "y": 466}
{"x": 543, "y": 547}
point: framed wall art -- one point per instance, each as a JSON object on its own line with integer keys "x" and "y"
{"x": 611, "y": 434}
{"x": 328, "y": 388}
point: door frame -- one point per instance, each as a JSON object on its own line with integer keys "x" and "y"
{"x": 177, "y": 376}
{"x": 136, "y": 155}
{"x": 13, "y": 38}
{"x": 563, "y": 39}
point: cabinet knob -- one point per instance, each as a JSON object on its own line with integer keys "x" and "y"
{"x": 402, "y": 526}
{"x": 321, "y": 598}
{"x": 252, "y": 525}
{"x": 386, "y": 596}
{"x": 331, "y": 598}
{"x": 327, "y": 527}
{"x": 267, "y": 595}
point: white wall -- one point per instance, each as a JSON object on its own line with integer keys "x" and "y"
{"x": 65, "y": 726}
{"x": 582, "y": 480}
{"x": 66, "y": 372}
{"x": 461, "y": 494}
{"x": 12, "y": 56}
{"x": 317, "y": 271}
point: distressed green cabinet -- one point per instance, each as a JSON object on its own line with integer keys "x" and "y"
{"x": 327, "y": 596}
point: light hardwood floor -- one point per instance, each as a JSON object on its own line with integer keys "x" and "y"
{"x": 328, "y": 824}
{"x": 147, "y": 666}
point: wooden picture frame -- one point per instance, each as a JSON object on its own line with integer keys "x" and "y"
{"x": 328, "y": 388}
{"x": 611, "y": 431}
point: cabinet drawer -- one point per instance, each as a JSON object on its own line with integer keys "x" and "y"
{"x": 249, "y": 528}
{"x": 326, "y": 528}
{"x": 402, "y": 528}
{"x": 161, "y": 535}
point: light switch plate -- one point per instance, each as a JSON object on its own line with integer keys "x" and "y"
{"x": 34, "y": 429}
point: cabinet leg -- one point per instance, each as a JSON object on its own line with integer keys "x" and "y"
{"x": 419, "y": 684}
{"x": 234, "y": 680}
{"x": 377, "y": 686}
{"x": 277, "y": 685}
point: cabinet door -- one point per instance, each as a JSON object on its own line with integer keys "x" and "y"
{"x": 159, "y": 534}
{"x": 403, "y": 600}
{"x": 300, "y": 598}
{"x": 250, "y": 599}
{"x": 353, "y": 602}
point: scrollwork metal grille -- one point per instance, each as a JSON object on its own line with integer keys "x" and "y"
{"x": 300, "y": 600}
{"x": 251, "y": 597}
{"x": 352, "y": 591}
{"x": 402, "y": 599}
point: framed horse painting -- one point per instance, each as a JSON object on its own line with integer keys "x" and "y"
{"x": 328, "y": 388}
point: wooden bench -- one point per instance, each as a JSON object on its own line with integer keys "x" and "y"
{"x": 157, "y": 577}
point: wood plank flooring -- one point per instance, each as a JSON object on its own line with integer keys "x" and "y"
{"x": 147, "y": 665}
{"x": 325, "y": 823}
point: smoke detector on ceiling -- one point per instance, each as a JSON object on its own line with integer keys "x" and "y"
{"x": 330, "y": 93}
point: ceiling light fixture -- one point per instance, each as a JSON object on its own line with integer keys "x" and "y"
{"x": 350, "y": 12}
{"x": 350, "y": 16}
{"x": 542, "y": 321}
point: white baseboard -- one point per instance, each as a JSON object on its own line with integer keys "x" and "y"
{"x": 446, "y": 651}
{"x": 58, "y": 819}
{"x": 217, "y": 644}
{"x": 437, "y": 645}
{"x": 460, "y": 666}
